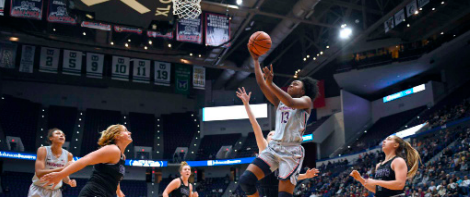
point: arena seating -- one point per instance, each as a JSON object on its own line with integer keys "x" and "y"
{"x": 96, "y": 121}
{"x": 142, "y": 127}
{"x": 250, "y": 147}
{"x": 178, "y": 131}
{"x": 63, "y": 118}
{"x": 210, "y": 144}
{"x": 19, "y": 118}
{"x": 16, "y": 183}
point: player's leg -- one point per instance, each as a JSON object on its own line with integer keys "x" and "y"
{"x": 289, "y": 169}
{"x": 258, "y": 169}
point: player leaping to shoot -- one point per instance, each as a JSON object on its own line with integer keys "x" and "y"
{"x": 284, "y": 151}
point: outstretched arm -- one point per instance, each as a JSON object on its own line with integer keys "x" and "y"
{"x": 107, "y": 154}
{"x": 303, "y": 102}
{"x": 262, "y": 84}
{"x": 309, "y": 174}
{"x": 260, "y": 140}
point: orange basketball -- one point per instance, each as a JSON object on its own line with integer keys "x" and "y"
{"x": 259, "y": 43}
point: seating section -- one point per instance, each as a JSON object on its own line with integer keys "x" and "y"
{"x": 96, "y": 121}
{"x": 212, "y": 186}
{"x": 142, "y": 127}
{"x": 383, "y": 128}
{"x": 15, "y": 184}
{"x": 63, "y": 118}
{"x": 19, "y": 118}
{"x": 178, "y": 131}
{"x": 250, "y": 147}
{"x": 210, "y": 145}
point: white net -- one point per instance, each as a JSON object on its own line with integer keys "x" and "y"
{"x": 187, "y": 9}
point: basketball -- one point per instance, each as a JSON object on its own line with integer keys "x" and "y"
{"x": 259, "y": 43}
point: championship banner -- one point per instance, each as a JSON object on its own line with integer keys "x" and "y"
{"x": 49, "y": 61}
{"x": 27, "y": 58}
{"x": 217, "y": 29}
{"x": 2, "y": 7}
{"x": 121, "y": 29}
{"x": 99, "y": 26}
{"x": 31, "y": 9}
{"x": 58, "y": 13}
{"x": 72, "y": 64}
{"x": 199, "y": 77}
{"x": 120, "y": 68}
{"x": 411, "y": 8}
{"x": 94, "y": 65}
{"x": 141, "y": 70}
{"x": 162, "y": 73}
{"x": 388, "y": 25}
{"x": 399, "y": 17}
{"x": 155, "y": 34}
{"x": 189, "y": 30}
{"x": 7, "y": 55}
{"x": 422, "y": 3}
{"x": 182, "y": 74}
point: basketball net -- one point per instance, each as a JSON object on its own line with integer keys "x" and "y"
{"x": 187, "y": 9}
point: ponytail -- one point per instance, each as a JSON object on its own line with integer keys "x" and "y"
{"x": 412, "y": 156}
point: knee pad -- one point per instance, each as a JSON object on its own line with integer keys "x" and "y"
{"x": 284, "y": 194}
{"x": 262, "y": 165}
{"x": 248, "y": 182}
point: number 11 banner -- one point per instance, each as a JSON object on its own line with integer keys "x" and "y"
{"x": 162, "y": 73}
{"x": 141, "y": 71}
{"x": 120, "y": 68}
{"x": 49, "y": 61}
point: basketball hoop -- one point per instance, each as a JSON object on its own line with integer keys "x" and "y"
{"x": 187, "y": 9}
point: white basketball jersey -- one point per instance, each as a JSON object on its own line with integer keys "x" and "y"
{"x": 52, "y": 163}
{"x": 290, "y": 124}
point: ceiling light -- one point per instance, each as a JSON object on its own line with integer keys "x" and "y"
{"x": 128, "y": 40}
{"x": 321, "y": 52}
{"x": 169, "y": 45}
{"x": 89, "y": 16}
{"x": 191, "y": 54}
{"x": 327, "y": 47}
{"x": 408, "y": 25}
{"x": 343, "y": 25}
{"x": 200, "y": 55}
{"x": 14, "y": 39}
{"x": 145, "y": 47}
{"x": 112, "y": 43}
{"x": 53, "y": 29}
{"x": 420, "y": 9}
{"x": 442, "y": 33}
{"x": 305, "y": 59}
{"x": 314, "y": 58}
{"x": 416, "y": 12}
{"x": 345, "y": 33}
{"x": 433, "y": 9}
{"x": 84, "y": 33}
{"x": 308, "y": 56}
{"x": 239, "y": 2}
{"x": 442, "y": 3}
{"x": 127, "y": 45}
{"x": 150, "y": 42}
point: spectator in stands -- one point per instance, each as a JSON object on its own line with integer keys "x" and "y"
{"x": 49, "y": 159}
{"x": 386, "y": 184}
{"x": 108, "y": 163}
{"x": 464, "y": 186}
{"x": 181, "y": 186}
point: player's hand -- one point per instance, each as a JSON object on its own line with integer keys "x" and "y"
{"x": 241, "y": 93}
{"x": 120, "y": 194}
{"x": 312, "y": 173}
{"x": 73, "y": 183}
{"x": 52, "y": 178}
{"x": 356, "y": 175}
{"x": 253, "y": 55}
{"x": 268, "y": 75}
{"x": 195, "y": 194}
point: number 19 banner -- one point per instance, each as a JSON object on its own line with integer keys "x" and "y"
{"x": 162, "y": 73}
{"x": 199, "y": 77}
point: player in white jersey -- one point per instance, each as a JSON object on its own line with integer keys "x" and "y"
{"x": 49, "y": 159}
{"x": 284, "y": 152}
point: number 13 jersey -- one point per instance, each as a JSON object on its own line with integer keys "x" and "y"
{"x": 290, "y": 124}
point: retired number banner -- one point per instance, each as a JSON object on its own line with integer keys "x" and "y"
{"x": 141, "y": 70}
{"x": 199, "y": 77}
{"x": 27, "y": 58}
{"x": 72, "y": 64}
{"x": 94, "y": 65}
{"x": 162, "y": 73}
{"x": 49, "y": 61}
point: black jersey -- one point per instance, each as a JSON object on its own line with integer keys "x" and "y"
{"x": 385, "y": 172}
{"x": 104, "y": 179}
{"x": 182, "y": 191}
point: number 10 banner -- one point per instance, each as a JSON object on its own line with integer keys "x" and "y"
{"x": 162, "y": 73}
{"x": 120, "y": 68}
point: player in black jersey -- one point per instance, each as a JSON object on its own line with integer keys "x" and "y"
{"x": 180, "y": 187}
{"x": 108, "y": 163}
{"x": 269, "y": 184}
{"x": 391, "y": 174}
